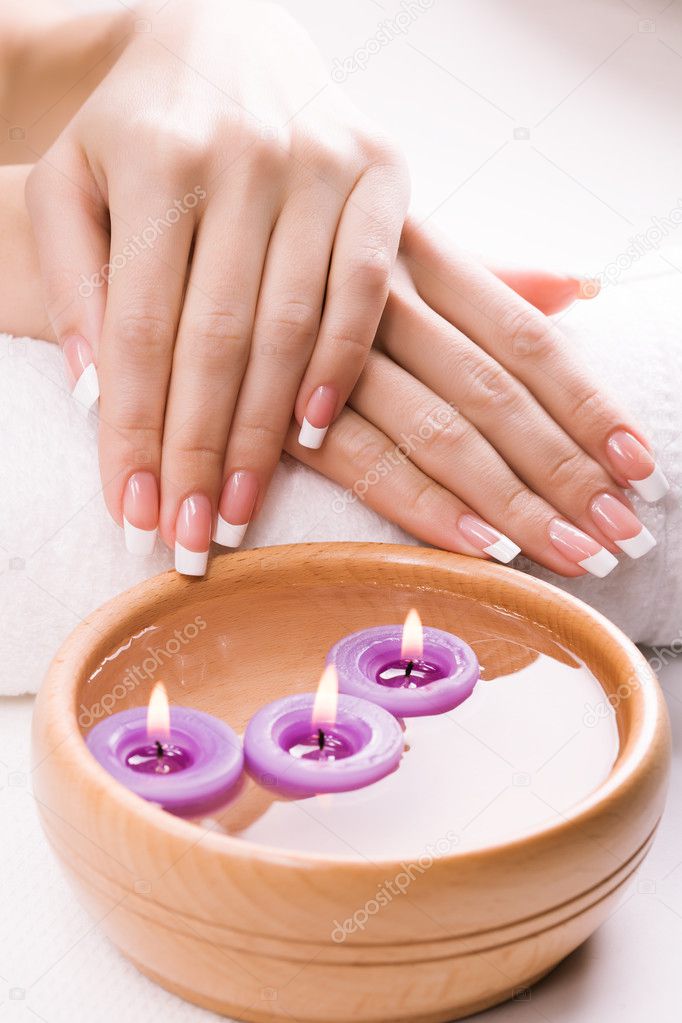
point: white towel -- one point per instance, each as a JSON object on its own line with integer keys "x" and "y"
{"x": 61, "y": 555}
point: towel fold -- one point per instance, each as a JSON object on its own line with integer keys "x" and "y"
{"x": 61, "y": 555}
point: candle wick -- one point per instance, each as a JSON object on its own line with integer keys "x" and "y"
{"x": 159, "y": 750}
{"x": 408, "y": 669}
{"x": 320, "y": 738}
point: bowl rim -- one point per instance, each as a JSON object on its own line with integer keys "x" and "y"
{"x": 65, "y": 675}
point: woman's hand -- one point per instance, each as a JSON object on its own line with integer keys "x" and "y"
{"x": 216, "y": 230}
{"x": 475, "y": 428}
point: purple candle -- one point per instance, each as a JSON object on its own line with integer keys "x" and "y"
{"x": 409, "y": 671}
{"x": 304, "y": 745}
{"x": 182, "y": 759}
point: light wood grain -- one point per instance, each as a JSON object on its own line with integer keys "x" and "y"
{"x": 246, "y": 930}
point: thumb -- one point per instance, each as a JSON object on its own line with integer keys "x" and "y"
{"x": 70, "y": 224}
{"x": 548, "y": 292}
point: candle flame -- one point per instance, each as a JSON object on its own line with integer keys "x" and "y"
{"x": 412, "y": 646}
{"x": 158, "y": 714}
{"x": 326, "y": 698}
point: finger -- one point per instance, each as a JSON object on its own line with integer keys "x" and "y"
{"x": 70, "y": 225}
{"x": 541, "y": 454}
{"x": 443, "y": 444}
{"x": 374, "y": 470}
{"x": 286, "y": 326}
{"x": 364, "y": 253}
{"x": 211, "y": 354}
{"x": 143, "y": 306}
{"x": 548, "y": 292}
{"x": 533, "y": 349}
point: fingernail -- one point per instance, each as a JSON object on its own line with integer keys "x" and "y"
{"x": 581, "y": 549}
{"x": 630, "y": 458}
{"x": 193, "y": 535}
{"x": 141, "y": 513}
{"x": 487, "y": 539}
{"x": 318, "y": 416}
{"x": 588, "y": 287}
{"x": 235, "y": 508}
{"x": 81, "y": 370}
{"x": 621, "y": 526}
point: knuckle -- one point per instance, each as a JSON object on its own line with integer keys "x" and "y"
{"x": 294, "y": 317}
{"x": 353, "y": 345}
{"x": 564, "y": 470}
{"x": 590, "y": 407}
{"x": 380, "y": 150}
{"x": 172, "y": 149}
{"x": 326, "y": 157}
{"x": 443, "y": 428}
{"x": 223, "y": 329}
{"x": 526, "y": 332}
{"x": 489, "y": 385}
{"x": 422, "y": 498}
{"x": 145, "y": 331}
{"x": 366, "y": 449}
{"x": 516, "y": 503}
{"x": 254, "y": 432}
{"x": 373, "y": 265}
{"x": 131, "y": 428}
{"x": 269, "y": 153}
{"x": 200, "y": 453}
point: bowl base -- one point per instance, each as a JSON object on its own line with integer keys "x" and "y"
{"x": 256, "y": 1016}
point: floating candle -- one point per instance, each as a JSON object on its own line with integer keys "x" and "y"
{"x": 182, "y": 759}
{"x": 409, "y": 671}
{"x": 516, "y": 756}
{"x": 303, "y": 745}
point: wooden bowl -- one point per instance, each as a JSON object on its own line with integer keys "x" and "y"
{"x": 245, "y": 930}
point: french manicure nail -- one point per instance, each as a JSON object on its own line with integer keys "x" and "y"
{"x": 630, "y": 458}
{"x": 581, "y": 549}
{"x": 193, "y": 535}
{"x": 318, "y": 416}
{"x": 235, "y": 508}
{"x": 621, "y": 526}
{"x": 487, "y": 539}
{"x": 81, "y": 370}
{"x": 141, "y": 513}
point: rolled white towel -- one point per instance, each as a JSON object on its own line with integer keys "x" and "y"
{"x": 61, "y": 555}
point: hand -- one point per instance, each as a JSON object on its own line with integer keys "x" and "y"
{"x": 216, "y": 230}
{"x": 475, "y": 428}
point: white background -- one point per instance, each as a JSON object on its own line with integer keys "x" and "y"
{"x": 596, "y": 86}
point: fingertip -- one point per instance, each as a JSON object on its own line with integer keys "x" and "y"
{"x": 317, "y": 414}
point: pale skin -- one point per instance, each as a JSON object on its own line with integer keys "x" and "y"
{"x": 204, "y": 379}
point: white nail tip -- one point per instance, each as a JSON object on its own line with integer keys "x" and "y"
{"x": 190, "y": 562}
{"x": 86, "y": 390}
{"x": 227, "y": 534}
{"x": 636, "y": 546}
{"x": 504, "y": 549}
{"x": 653, "y": 488}
{"x": 599, "y": 564}
{"x": 311, "y": 436}
{"x": 138, "y": 541}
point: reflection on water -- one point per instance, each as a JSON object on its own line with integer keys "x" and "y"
{"x": 523, "y": 749}
{"x": 517, "y": 754}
